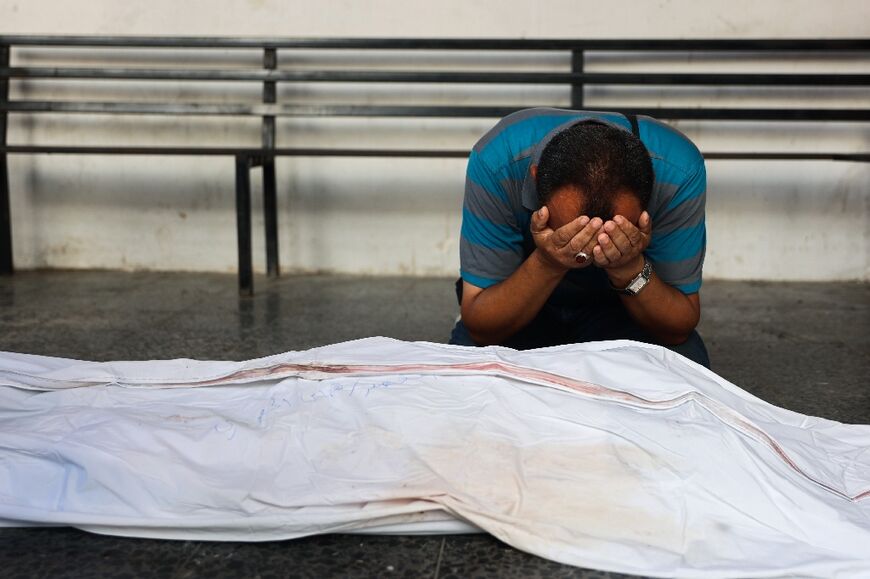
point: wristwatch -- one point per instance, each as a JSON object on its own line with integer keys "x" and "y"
{"x": 636, "y": 285}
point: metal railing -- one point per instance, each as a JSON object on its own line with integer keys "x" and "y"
{"x": 268, "y": 109}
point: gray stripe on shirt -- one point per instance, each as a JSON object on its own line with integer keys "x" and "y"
{"x": 681, "y": 272}
{"x": 686, "y": 215}
{"x": 487, "y": 205}
{"x": 494, "y": 264}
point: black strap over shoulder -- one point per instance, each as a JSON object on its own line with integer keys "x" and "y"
{"x": 634, "y": 128}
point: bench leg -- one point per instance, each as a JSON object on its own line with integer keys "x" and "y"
{"x": 270, "y": 210}
{"x": 243, "y": 225}
{"x": 6, "y": 267}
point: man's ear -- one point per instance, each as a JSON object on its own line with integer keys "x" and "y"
{"x": 534, "y": 171}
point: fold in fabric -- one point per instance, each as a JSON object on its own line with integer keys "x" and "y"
{"x": 618, "y": 456}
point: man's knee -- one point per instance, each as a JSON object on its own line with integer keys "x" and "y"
{"x": 694, "y": 349}
{"x": 460, "y": 335}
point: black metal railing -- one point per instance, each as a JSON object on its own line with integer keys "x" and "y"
{"x": 268, "y": 108}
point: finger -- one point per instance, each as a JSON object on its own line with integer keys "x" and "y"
{"x": 598, "y": 257}
{"x": 588, "y": 251}
{"x": 590, "y": 246}
{"x": 592, "y": 243}
{"x": 582, "y": 240}
{"x": 610, "y": 251}
{"x": 566, "y": 233}
{"x": 644, "y": 224}
{"x": 583, "y": 258}
{"x": 628, "y": 229}
{"x": 618, "y": 237}
{"x": 539, "y": 220}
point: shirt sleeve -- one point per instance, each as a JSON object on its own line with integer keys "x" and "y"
{"x": 679, "y": 237}
{"x": 491, "y": 243}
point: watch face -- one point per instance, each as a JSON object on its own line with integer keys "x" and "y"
{"x": 636, "y": 285}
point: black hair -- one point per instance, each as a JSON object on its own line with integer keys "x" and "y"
{"x": 598, "y": 159}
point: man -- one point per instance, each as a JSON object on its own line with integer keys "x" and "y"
{"x": 581, "y": 226}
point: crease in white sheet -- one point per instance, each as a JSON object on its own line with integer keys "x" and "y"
{"x": 615, "y": 455}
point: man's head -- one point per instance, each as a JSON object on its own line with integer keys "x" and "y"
{"x": 594, "y": 169}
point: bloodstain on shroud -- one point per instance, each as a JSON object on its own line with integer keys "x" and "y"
{"x": 532, "y": 376}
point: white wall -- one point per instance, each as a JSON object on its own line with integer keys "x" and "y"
{"x": 767, "y": 220}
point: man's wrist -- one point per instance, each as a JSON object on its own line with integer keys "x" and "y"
{"x": 547, "y": 265}
{"x": 623, "y": 275}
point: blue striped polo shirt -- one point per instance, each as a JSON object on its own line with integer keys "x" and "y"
{"x": 500, "y": 196}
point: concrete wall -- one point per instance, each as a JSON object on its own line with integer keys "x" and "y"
{"x": 767, "y": 220}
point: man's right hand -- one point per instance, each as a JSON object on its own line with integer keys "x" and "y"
{"x": 496, "y": 313}
{"x": 559, "y": 248}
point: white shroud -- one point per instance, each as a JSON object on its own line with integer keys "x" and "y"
{"x": 614, "y": 455}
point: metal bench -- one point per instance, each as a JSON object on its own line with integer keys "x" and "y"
{"x": 268, "y": 110}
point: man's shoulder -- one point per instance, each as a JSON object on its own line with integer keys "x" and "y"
{"x": 672, "y": 152}
{"x": 517, "y": 133}
{"x": 520, "y": 130}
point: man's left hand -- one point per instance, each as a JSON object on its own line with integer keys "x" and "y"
{"x": 620, "y": 247}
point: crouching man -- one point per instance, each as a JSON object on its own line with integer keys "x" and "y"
{"x": 581, "y": 226}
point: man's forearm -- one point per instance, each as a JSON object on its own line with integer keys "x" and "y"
{"x": 500, "y": 311}
{"x": 662, "y": 310}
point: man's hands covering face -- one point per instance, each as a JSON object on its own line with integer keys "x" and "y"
{"x": 560, "y": 247}
{"x": 613, "y": 245}
{"x": 621, "y": 243}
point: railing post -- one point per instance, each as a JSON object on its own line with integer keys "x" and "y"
{"x": 6, "y": 265}
{"x": 243, "y": 224}
{"x": 577, "y": 88}
{"x": 270, "y": 201}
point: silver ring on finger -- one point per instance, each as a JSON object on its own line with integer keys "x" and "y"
{"x": 581, "y": 257}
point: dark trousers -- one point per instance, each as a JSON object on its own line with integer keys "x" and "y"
{"x": 583, "y": 309}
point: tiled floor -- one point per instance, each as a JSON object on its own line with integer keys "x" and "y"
{"x": 801, "y": 346}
